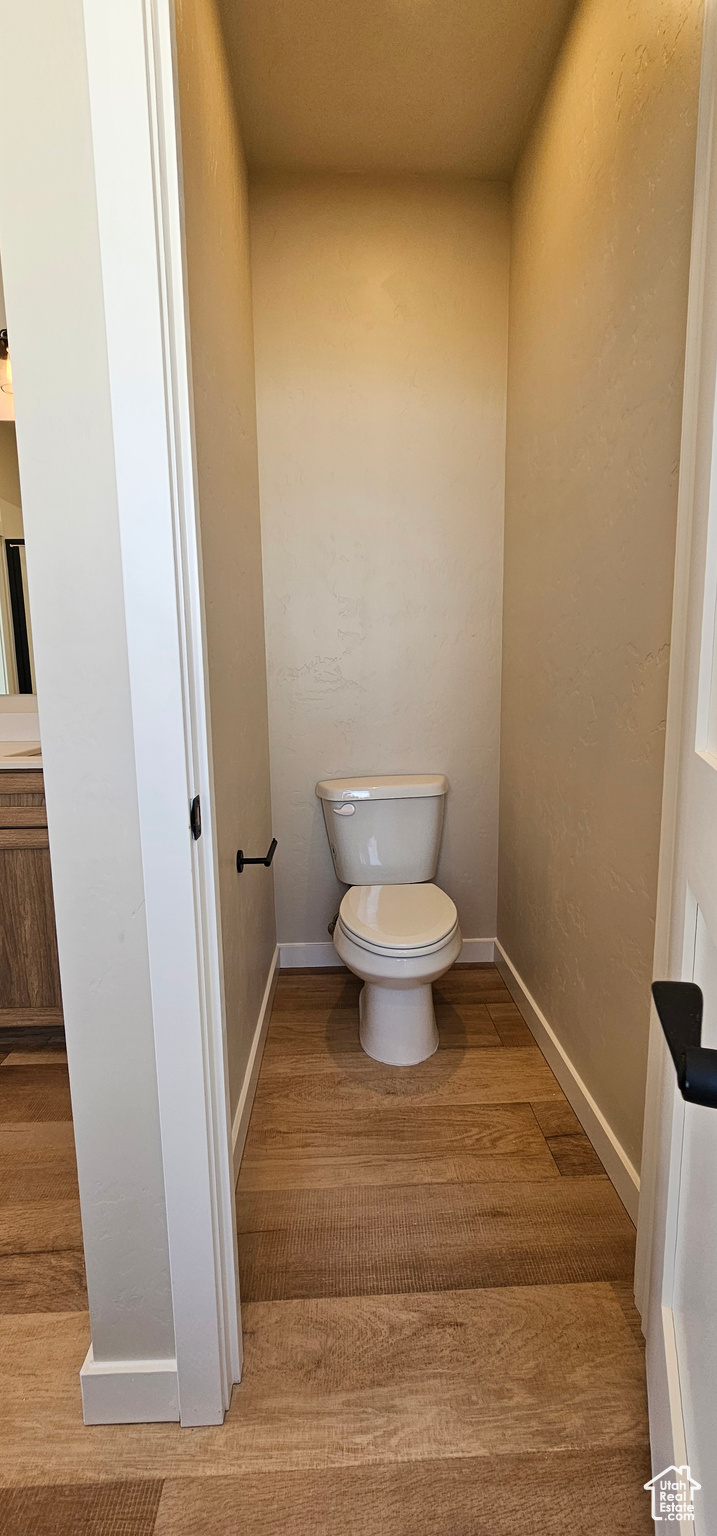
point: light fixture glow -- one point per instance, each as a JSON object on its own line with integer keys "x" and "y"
{"x": 7, "y": 403}
{"x": 5, "y": 365}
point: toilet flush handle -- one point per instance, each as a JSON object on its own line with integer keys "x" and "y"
{"x": 344, "y": 810}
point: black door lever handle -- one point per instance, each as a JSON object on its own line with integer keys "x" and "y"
{"x": 679, "y": 1007}
{"x": 242, "y": 858}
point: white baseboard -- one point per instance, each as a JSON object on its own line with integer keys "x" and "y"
{"x": 129, "y": 1391}
{"x": 246, "y": 1097}
{"x": 308, "y": 957}
{"x": 476, "y": 952}
{"x": 612, "y": 1154}
{"x": 304, "y": 957}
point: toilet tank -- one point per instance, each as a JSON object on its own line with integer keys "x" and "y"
{"x": 384, "y": 830}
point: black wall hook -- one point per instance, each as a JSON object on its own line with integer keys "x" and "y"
{"x": 242, "y": 859}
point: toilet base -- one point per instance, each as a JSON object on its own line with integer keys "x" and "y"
{"x": 398, "y": 1025}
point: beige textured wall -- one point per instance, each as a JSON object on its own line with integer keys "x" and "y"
{"x": 381, "y": 338}
{"x": 601, "y": 230}
{"x": 219, "y": 286}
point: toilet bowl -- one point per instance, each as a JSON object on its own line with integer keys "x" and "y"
{"x": 398, "y": 939}
{"x": 395, "y": 929}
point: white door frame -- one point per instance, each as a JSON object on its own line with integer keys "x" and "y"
{"x": 131, "y": 73}
{"x": 133, "y": 129}
{"x": 664, "y": 1107}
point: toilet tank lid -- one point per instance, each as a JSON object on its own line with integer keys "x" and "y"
{"x": 384, "y": 786}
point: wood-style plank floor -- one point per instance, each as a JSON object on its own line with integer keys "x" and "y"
{"x": 439, "y": 1332}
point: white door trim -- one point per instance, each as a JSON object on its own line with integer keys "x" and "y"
{"x": 130, "y": 59}
{"x": 662, "y": 1145}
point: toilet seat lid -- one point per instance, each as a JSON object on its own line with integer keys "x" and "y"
{"x": 401, "y": 917}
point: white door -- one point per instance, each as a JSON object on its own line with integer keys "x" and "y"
{"x": 90, "y": 209}
{"x": 677, "y": 1258}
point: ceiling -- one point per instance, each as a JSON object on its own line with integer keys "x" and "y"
{"x": 447, "y": 86}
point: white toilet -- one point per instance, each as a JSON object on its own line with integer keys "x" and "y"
{"x": 394, "y": 929}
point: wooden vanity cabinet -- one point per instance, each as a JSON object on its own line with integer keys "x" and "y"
{"x": 29, "y": 972}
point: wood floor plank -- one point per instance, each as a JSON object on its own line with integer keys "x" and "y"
{"x": 37, "y": 1179}
{"x": 510, "y": 1024}
{"x": 334, "y": 1031}
{"x": 575, "y": 1156}
{"x": 340, "y": 990}
{"x": 37, "y": 1162}
{"x": 313, "y": 1030}
{"x": 488, "y": 1143}
{"x": 43, "y": 1282}
{"x": 297, "y": 1170}
{"x": 480, "y": 984}
{"x": 556, "y": 1117}
{"x": 574, "y": 1153}
{"x": 301, "y": 973}
{"x": 43, "y": 1139}
{"x": 333, "y": 989}
{"x": 81, "y": 1509}
{"x": 399, "y": 1128}
{"x": 350, "y": 1381}
{"x": 561, "y": 1493}
{"x": 353, "y": 1241}
{"x": 501, "y": 1076}
{"x": 520, "y": 1369}
{"x": 452, "y": 994}
{"x": 37, "y": 1226}
{"x": 465, "y": 1026}
{"x": 34, "y": 1093}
